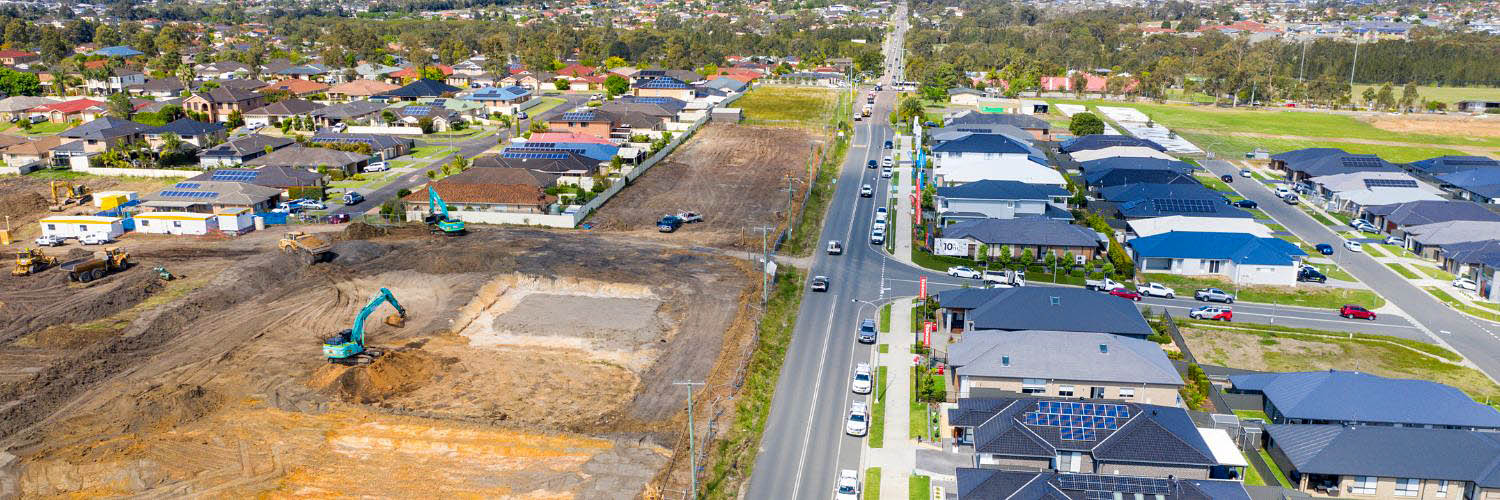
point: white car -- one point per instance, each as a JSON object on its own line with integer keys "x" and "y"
{"x": 1245, "y": 172}
{"x": 378, "y": 166}
{"x": 1282, "y": 190}
{"x": 887, "y": 161}
{"x": 1353, "y": 246}
{"x": 835, "y": 248}
{"x": 94, "y": 239}
{"x": 313, "y": 205}
{"x": 880, "y": 216}
{"x": 49, "y": 241}
{"x": 848, "y": 488}
{"x": 866, "y": 191}
{"x": 1392, "y": 240}
{"x": 885, "y": 172}
{"x": 858, "y": 423}
{"x": 964, "y": 272}
{"x": 877, "y": 237}
{"x": 1154, "y": 289}
{"x": 1466, "y": 284}
{"x": 863, "y": 383}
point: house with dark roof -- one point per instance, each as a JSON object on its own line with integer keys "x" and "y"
{"x": 160, "y": 87}
{"x": 382, "y": 146}
{"x": 592, "y": 150}
{"x": 1395, "y": 218}
{"x": 99, "y": 135}
{"x": 272, "y": 114}
{"x": 220, "y": 102}
{"x": 593, "y": 122}
{"x": 295, "y": 87}
{"x": 1429, "y": 240}
{"x": 1303, "y": 164}
{"x": 1450, "y": 164}
{"x": 662, "y": 86}
{"x": 970, "y": 157}
{"x": 1038, "y": 127}
{"x": 1355, "y": 398}
{"x": 1097, "y": 167}
{"x": 955, "y": 132}
{"x": 1236, "y": 257}
{"x": 990, "y": 484}
{"x": 1016, "y": 236}
{"x": 241, "y": 150}
{"x": 996, "y": 199}
{"x": 996, "y": 311}
{"x": 1101, "y": 141}
{"x": 283, "y": 178}
{"x": 1386, "y": 462}
{"x": 1098, "y": 181}
{"x": 1063, "y": 364}
{"x": 1146, "y": 201}
{"x": 569, "y": 167}
{"x": 417, "y": 90}
{"x": 196, "y": 133}
{"x": 1479, "y": 185}
{"x": 1109, "y": 438}
{"x": 352, "y": 112}
{"x": 313, "y": 158}
{"x": 442, "y": 118}
{"x": 206, "y": 197}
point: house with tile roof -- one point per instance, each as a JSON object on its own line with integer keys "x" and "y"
{"x": 207, "y": 197}
{"x": 21, "y": 105}
{"x": 1237, "y": 257}
{"x": 273, "y": 113}
{"x": 416, "y": 90}
{"x": 1063, "y": 364}
{"x": 104, "y": 133}
{"x": 487, "y": 189}
{"x": 295, "y": 87}
{"x": 1039, "y": 128}
{"x": 414, "y": 73}
{"x": 218, "y": 103}
{"x": 568, "y": 166}
{"x": 116, "y": 80}
{"x": 76, "y": 109}
{"x": 1381, "y": 462}
{"x": 1353, "y": 398}
{"x": 359, "y": 89}
{"x": 352, "y": 112}
{"x": 382, "y": 146}
{"x": 12, "y": 57}
{"x": 283, "y": 178}
{"x": 997, "y": 311}
{"x": 26, "y": 152}
{"x": 988, "y": 484}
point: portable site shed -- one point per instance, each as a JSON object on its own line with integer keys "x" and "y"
{"x": 108, "y": 200}
{"x": 236, "y": 220}
{"x": 176, "y": 223}
{"x": 75, "y": 226}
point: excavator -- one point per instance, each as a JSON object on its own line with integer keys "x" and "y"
{"x": 438, "y": 218}
{"x": 32, "y": 260}
{"x": 65, "y": 195}
{"x": 348, "y": 347}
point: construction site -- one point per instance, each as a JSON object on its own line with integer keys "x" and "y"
{"x": 529, "y": 364}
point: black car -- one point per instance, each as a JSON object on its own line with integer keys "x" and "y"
{"x": 1310, "y": 274}
{"x": 669, "y": 223}
{"x": 889, "y": 145}
{"x": 1246, "y": 204}
{"x": 1227, "y": 178}
{"x": 872, "y": 164}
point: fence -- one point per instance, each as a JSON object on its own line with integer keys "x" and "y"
{"x": 136, "y": 172}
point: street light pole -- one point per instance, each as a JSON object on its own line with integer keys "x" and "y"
{"x": 765, "y": 258}
{"x": 692, "y": 455}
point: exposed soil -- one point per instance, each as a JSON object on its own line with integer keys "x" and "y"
{"x": 25, "y": 199}
{"x": 736, "y": 176}
{"x": 1465, "y": 125}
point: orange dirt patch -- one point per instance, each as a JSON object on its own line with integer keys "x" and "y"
{"x": 1437, "y": 125}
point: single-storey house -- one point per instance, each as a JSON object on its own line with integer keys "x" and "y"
{"x": 26, "y": 152}
{"x": 1395, "y": 218}
{"x": 1038, "y": 127}
{"x": 1101, "y": 141}
{"x": 161, "y": 87}
{"x": 504, "y": 100}
{"x": 986, "y": 484}
{"x": 115, "y": 81}
{"x": 283, "y": 178}
{"x": 1479, "y": 185}
{"x": 1386, "y": 462}
{"x": 1001, "y": 310}
{"x": 1302, "y": 164}
{"x": 273, "y": 113}
{"x": 382, "y": 146}
{"x": 352, "y": 112}
{"x": 359, "y": 89}
{"x": 1064, "y": 364}
{"x": 486, "y": 189}
{"x": 417, "y": 90}
{"x": 295, "y": 87}
{"x": 569, "y": 167}
{"x": 207, "y": 197}
{"x": 1039, "y": 235}
{"x": 101, "y": 134}
{"x": 1428, "y": 240}
{"x": 241, "y": 150}
{"x": 76, "y": 109}
{"x": 662, "y": 86}
{"x": 1354, "y": 398}
{"x": 1140, "y": 228}
{"x": 1241, "y": 258}
{"x": 1088, "y": 155}
{"x": 18, "y": 106}
{"x": 312, "y": 158}
{"x": 1351, "y": 192}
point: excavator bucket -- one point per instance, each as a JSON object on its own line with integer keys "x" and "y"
{"x": 395, "y": 320}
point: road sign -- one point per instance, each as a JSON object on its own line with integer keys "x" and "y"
{"x": 922, "y": 288}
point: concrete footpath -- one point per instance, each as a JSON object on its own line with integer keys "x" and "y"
{"x": 897, "y": 457}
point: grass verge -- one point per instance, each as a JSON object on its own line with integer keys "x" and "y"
{"x": 1253, "y": 414}
{"x": 1317, "y": 216}
{"x": 872, "y": 483}
{"x": 1275, "y": 471}
{"x": 1461, "y": 305}
{"x": 877, "y": 410}
{"x": 1252, "y": 475}
{"x": 917, "y": 427}
{"x": 1436, "y": 273}
{"x": 805, "y": 236}
{"x": 1375, "y": 251}
{"x": 919, "y": 487}
{"x": 734, "y": 456}
{"x": 1396, "y": 251}
{"x": 1432, "y": 349}
{"x": 1333, "y": 271}
{"x": 1305, "y": 296}
{"x": 1402, "y": 270}
{"x": 885, "y": 319}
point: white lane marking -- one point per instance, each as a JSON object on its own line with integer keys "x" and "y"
{"x": 812, "y": 409}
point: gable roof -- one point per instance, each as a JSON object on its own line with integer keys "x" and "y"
{"x": 1344, "y": 396}
{"x": 105, "y": 128}
{"x": 1047, "y": 308}
{"x": 412, "y": 71}
{"x": 1317, "y": 162}
{"x": 1065, "y": 356}
{"x": 224, "y": 94}
{"x": 222, "y": 193}
{"x": 1101, "y": 141}
{"x": 1481, "y": 181}
{"x": 1159, "y": 225}
{"x": 246, "y": 145}
{"x": 1141, "y": 433}
{"x": 1240, "y": 248}
{"x": 168, "y": 84}
{"x": 969, "y": 142}
{"x": 1024, "y": 122}
{"x": 118, "y": 51}
{"x": 503, "y": 175}
{"x": 1453, "y": 231}
{"x": 296, "y": 86}
{"x": 1161, "y": 200}
{"x": 1122, "y": 176}
{"x": 73, "y": 106}
{"x": 286, "y": 107}
{"x": 989, "y": 484}
{"x": 1101, "y": 165}
{"x": 1429, "y": 211}
{"x": 1449, "y": 164}
{"x": 421, "y": 88}
{"x": 351, "y": 109}
{"x": 1455, "y": 455}
{"x": 991, "y": 189}
{"x": 726, "y": 83}
{"x": 1142, "y": 191}
{"x": 548, "y": 161}
{"x": 1026, "y": 231}
{"x": 362, "y": 87}
{"x": 308, "y": 157}
{"x": 377, "y": 142}
{"x": 269, "y": 176}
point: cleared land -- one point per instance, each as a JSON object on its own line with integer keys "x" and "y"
{"x": 1305, "y": 294}
{"x": 789, "y": 106}
{"x": 24, "y": 199}
{"x": 213, "y": 385}
{"x": 734, "y": 175}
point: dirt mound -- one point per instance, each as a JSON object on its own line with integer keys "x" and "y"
{"x": 362, "y": 231}
{"x": 357, "y": 252}
{"x": 390, "y": 375}
{"x": 22, "y": 203}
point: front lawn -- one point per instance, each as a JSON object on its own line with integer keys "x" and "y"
{"x": 1402, "y": 270}
{"x": 1213, "y": 182}
{"x": 1435, "y": 273}
{"x": 431, "y": 152}
{"x": 1317, "y": 216}
{"x": 919, "y": 488}
{"x": 1461, "y": 305}
{"x": 1334, "y": 272}
{"x": 49, "y": 128}
{"x": 1305, "y": 295}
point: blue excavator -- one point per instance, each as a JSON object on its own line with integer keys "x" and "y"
{"x": 438, "y": 218}
{"x": 348, "y": 347}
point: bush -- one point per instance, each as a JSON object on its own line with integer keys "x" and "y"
{"x": 402, "y": 193}
{"x": 312, "y": 192}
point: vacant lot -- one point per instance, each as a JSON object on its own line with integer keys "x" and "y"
{"x": 1306, "y": 295}
{"x": 735, "y": 175}
{"x": 1448, "y": 95}
{"x": 794, "y": 106}
{"x": 1477, "y": 126}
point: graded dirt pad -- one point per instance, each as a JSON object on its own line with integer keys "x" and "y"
{"x": 533, "y": 364}
{"x": 734, "y": 175}
{"x": 25, "y": 199}
{"x": 1461, "y": 124}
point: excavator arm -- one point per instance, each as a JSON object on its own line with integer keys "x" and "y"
{"x": 349, "y": 345}
{"x": 439, "y": 213}
{"x": 358, "y": 335}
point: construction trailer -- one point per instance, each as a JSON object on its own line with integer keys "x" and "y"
{"x": 110, "y": 200}
{"x": 238, "y": 220}
{"x": 187, "y": 223}
{"x": 76, "y": 226}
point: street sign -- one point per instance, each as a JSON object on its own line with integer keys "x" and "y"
{"x": 922, "y": 288}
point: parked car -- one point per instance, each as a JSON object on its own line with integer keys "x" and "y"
{"x": 378, "y": 166}
{"x": 1291, "y": 199}
{"x": 94, "y": 239}
{"x": 887, "y": 161}
{"x": 1351, "y": 311}
{"x": 858, "y": 423}
{"x": 835, "y": 248}
{"x": 880, "y": 216}
{"x": 1353, "y": 246}
{"x": 1245, "y": 172}
{"x": 848, "y": 488}
{"x": 1219, "y": 313}
{"x": 1213, "y": 295}
{"x": 1282, "y": 190}
{"x": 877, "y": 236}
{"x": 521, "y": 115}
{"x": 690, "y": 217}
{"x": 1154, "y": 289}
{"x": 885, "y": 172}
{"x": 338, "y": 218}
{"x": 964, "y": 272}
{"x": 819, "y": 284}
{"x": 1228, "y": 179}
{"x": 1325, "y": 249}
{"x": 1392, "y": 240}
{"x": 1126, "y": 293}
{"x": 889, "y": 145}
{"x": 668, "y": 223}
{"x": 1364, "y": 226}
{"x": 872, "y": 164}
{"x": 1311, "y": 274}
{"x": 49, "y": 241}
{"x": 862, "y": 383}
{"x": 353, "y": 198}
{"x": 866, "y": 331}
{"x": 866, "y": 191}
{"x": 35, "y": 119}
{"x": 1465, "y": 283}
{"x": 287, "y": 207}
{"x": 1246, "y": 203}
{"x": 313, "y": 205}
{"x": 1102, "y": 285}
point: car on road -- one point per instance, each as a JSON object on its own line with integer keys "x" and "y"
{"x": 835, "y": 248}
{"x": 964, "y": 272}
{"x": 1465, "y": 283}
{"x": 353, "y": 198}
{"x": 885, "y": 172}
{"x": 889, "y": 145}
{"x": 521, "y": 115}
{"x": 313, "y": 205}
{"x": 866, "y": 191}
{"x": 378, "y": 166}
{"x": 49, "y": 241}
{"x": 1325, "y": 249}
{"x": 1246, "y": 203}
{"x": 858, "y": 423}
{"x": 94, "y": 239}
{"x": 880, "y": 217}
{"x": 872, "y": 164}
{"x": 1282, "y": 190}
{"x": 866, "y": 333}
{"x": 1353, "y": 246}
{"x": 887, "y": 161}
{"x": 690, "y": 217}
{"x": 1244, "y": 172}
{"x": 1219, "y": 313}
{"x": 848, "y": 488}
{"x": 1213, "y": 295}
{"x": 877, "y": 236}
{"x": 1103, "y": 285}
{"x": 819, "y": 284}
{"x": 1154, "y": 289}
{"x": 1291, "y": 199}
{"x": 668, "y": 223}
{"x": 1126, "y": 293}
{"x": 1228, "y": 179}
{"x": 1392, "y": 240}
{"x": 1311, "y": 274}
{"x": 1352, "y": 311}
{"x": 862, "y": 383}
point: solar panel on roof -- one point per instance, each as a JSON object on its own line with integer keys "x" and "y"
{"x": 1114, "y": 484}
{"x": 1471, "y": 162}
{"x": 1353, "y": 161}
{"x": 187, "y": 185}
{"x": 1406, "y": 183}
{"x": 534, "y": 156}
{"x": 578, "y": 116}
{"x": 1183, "y": 206}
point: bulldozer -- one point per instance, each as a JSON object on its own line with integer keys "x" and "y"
{"x": 32, "y": 260}
{"x": 65, "y": 195}
{"x": 310, "y": 247}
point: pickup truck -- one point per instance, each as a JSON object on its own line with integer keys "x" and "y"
{"x": 1155, "y": 289}
{"x": 1005, "y": 278}
{"x": 1103, "y": 285}
{"x": 49, "y": 241}
{"x": 103, "y": 263}
{"x": 1213, "y": 295}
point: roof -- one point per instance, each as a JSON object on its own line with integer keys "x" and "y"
{"x": 348, "y": 110}
{"x": 726, "y": 83}
{"x": 1120, "y": 152}
{"x": 1453, "y": 231}
{"x": 1240, "y": 248}
{"x": 661, "y": 82}
{"x": 549, "y": 161}
{"x": 240, "y": 83}
{"x": 1143, "y": 191}
{"x": 950, "y": 133}
{"x": 1065, "y": 356}
{"x": 16, "y": 53}
{"x": 1370, "y": 179}
{"x": 214, "y": 193}
{"x": 1455, "y": 455}
{"x": 1101, "y": 141}
{"x": 1430, "y": 211}
{"x": 460, "y": 192}
{"x": 1481, "y": 181}
{"x": 1344, "y": 396}
{"x": 286, "y": 107}
{"x": 362, "y": 87}
{"x": 105, "y": 128}
{"x": 508, "y": 93}
{"x": 1026, "y": 231}
{"x": 308, "y": 157}
{"x": 1450, "y": 164}
{"x": 594, "y": 151}
{"x": 1101, "y": 165}
{"x": 969, "y": 142}
{"x": 421, "y": 88}
{"x": 1025, "y": 122}
{"x": 247, "y": 144}
{"x": 118, "y": 51}
{"x": 168, "y": 84}
{"x": 185, "y": 127}
{"x": 73, "y": 106}
{"x": 590, "y": 115}
{"x": 35, "y": 147}
{"x": 412, "y": 71}
{"x": 502, "y": 175}
{"x": 1224, "y": 450}
{"x": 1157, "y": 225}
{"x": 567, "y": 137}
{"x": 1485, "y": 252}
{"x": 1122, "y": 176}
{"x": 1317, "y": 162}
{"x": 376, "y": 141}
{"x": 1112, "y": 432}
{"x": 990, "y": 484}
{"x": 1209, "y": 205}
{"x": 296, "y": 86}
{"x": 274, "y": 176}
{"x": 1002, "y": 190}
{"x": 16, "y": 103}
{"x": 223, "y": 94}
{"x": 1047, "y": 308}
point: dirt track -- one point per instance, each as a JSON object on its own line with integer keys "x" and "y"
{"x": 735, "y": 175}
{"x": 213, "y": 385}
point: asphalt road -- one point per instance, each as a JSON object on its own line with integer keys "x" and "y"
{"x": 1477, "y": 340}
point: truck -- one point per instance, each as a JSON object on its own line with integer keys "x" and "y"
{"x": 1155, "y": 289}
{"x": 1005, "y": 278}
{"x": 868, "y": 109}
{"x": 1213, "y": 295}
{"x": 1102, "y": 285}
{"x": 310, "y": 247}
{"x": 101, "y": 264}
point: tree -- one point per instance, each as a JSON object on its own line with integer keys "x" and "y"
{"x": 983, "y": 254}
{"x": 1386, "y": 98}
{"x": 119, "y": 105}
{"x": 616, "y": 85}
{"x": 460, "y": 163}
{"x": 387, "y": 116}
{"x": 562, "y": 84}
{"x": 170, "y": 143}
{"x": 236, "y": 119}
{"x": 1027, "y": 258}
{"x": 425, "y": 123}
{"x": 537, "y": 127}
{"x": 1080, "y": 83}
{"x": 432, "y": 73}
{"x": 1409, "y": 96}
{"x": 910, "y": 107}
{"x": 1369, "y": 95}
{"x": 613, "y": 62}
{"x": 16, "y": 83}
{"x": 1085, "y": 124}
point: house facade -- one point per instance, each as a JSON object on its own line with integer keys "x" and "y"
{"x": 1063, "y": 364}
{"x": 1240, "y": 258}
{"x": 220, "y": 102}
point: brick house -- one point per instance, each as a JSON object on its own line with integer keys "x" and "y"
{"x": 218, "y": 103}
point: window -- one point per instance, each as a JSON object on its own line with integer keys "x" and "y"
{"x": 1033, "y": 386}
{"x": 1127, "y": 393}
{"x": 1442, "y": 488}
{"x": 1069, "y": 461}
{"x": 1065, "y": 391}
{"x": 1363, "y": 485}
{"x": 1408, "y": 487}
{"x": 51, "y": 227}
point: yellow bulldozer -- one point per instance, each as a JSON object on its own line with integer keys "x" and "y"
{"x": 32, "y": 260}
{"x": 65, "y": 194}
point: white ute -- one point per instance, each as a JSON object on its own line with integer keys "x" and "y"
{"x": 1154, "y": 289}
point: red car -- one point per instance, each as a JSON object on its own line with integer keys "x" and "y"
{"x": 1356, "y": 312}
{"x": 1126, "y": 293}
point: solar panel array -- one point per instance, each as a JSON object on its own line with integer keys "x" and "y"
{"x": 578, "y": 116}
{"x": 664, "y": 83}
{"x": 1359, "y": 161}
{"x": 1103, "y": 487}
{"x": 1477, "y": 162}
{"x": 235, "y": 175}
{"x": 1183, "y": 206}
{"x": 1400, "y": 183}
{"x": 654, "y": 100}
{"x": 188, "y": 185}
{"x": 417, "y": 110}
{"x": 1078, "y": 421}
{"x": 533, "y": 156}
{"x": 202, "y": 195}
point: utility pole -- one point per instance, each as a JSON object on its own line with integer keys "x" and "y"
{"x": 1353, "y": 65}
{"x": 1303, "y": 75}
{"x": 692, "y": 453}
{"x": 765, "y": 258}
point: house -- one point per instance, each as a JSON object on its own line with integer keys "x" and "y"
{"x": 352, "y": 112}
{"x": 118, "y": 51}
{"x": 1107, "y": 152}
{"x": 295, "y": 87}
{"x": 996, "y": 311}
{"x": 1028, "y": 433}
{"x": 1239, "y": 257}
{"x": 359, "y": 89}
{"x": 1144, "y": 201}
{"x": 975, "y": 157}
{"x": 1038, "y": 235}
{"x": 101, "y": 134}
{"x": 503, "y": 100}
{"x": 1428, "y": 240}
{"x": 115, "y": 81}
{"x": 282, "y": 178}
{"x": 207, "y": 197}
{"x": 1351, "y": 192}
{"x": 986, "y": 484}
{"x": 1353, "y": 399}
{"x": 1479, "y": 185}
{"x": 307, "y": 72}
{"x": 727, "y": 84}
{"x": 1477, "y": 107}
{"x": 1303, "y": 164}
{"x": 1396, "y": 218}
{"x": 218, "y": 103}
{"x": 415, "y": 73}
{"x": 1101, "y": 141}
{"x": 12, "y": 57}
{"x": 370, "y": 71}
{"x": 1038, "y": 127}
{"x": 1450, "y": 164}
{"x": 569, "y": 167}
{"x": 597, "y": 151}
{"x": 1386, "y": 462}
{"x": 1476, "y": 260}
{"x": 78, "y": 226}
{"x": 593, "y": 123}
{"x": 241, "y": 150}
{"x": 964, "y": 96}
{"x": 222, "y": 70}
{"x": 1117, "y": 171}
{"x": 664, "y": 109}
{"x": 417, "y": 90}
{"x": 273, "y": 113}
{"x": 1141, "y": 228}
{"x": 662, "y": 86}
{"x": 167, "y": 222}
{"x": 196, "y": 133}
{"x": 442, "y": 118}
{"x": 66, "y": 111}
{"x": 23, "y": 153}
{"x": 20, "y": 105}
{"x": 993, "y": 199}
{"x": 160, "y": 87}
{"x": 383, "y": 147}
{"x": 1064, "y": 364}
{"x": 312, "y": 159}
{"x": 956, "y": 132}
{"x": 487, "y": 189}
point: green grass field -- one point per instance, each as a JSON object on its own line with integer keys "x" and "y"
{"x": 919, "y": 488}
{"x": 1305, "y": 295}
{"x": 1402, "y": 270}
{"x": 872, "y": 483}
{"x": 1449, "y": 95}
{"x": 1435, "y": 273}
{"x": 796, "y": 106}
{"x": 1333, "y": 271}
